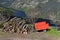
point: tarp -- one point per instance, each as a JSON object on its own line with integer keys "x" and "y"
{"x": 41, "y": 25}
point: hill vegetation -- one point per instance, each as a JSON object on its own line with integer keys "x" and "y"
{"x": 4, "y": 14}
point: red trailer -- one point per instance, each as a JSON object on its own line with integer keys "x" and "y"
{"x": 41, "y": 26}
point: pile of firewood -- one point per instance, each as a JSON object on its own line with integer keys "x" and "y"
{"x": 16, "y": 25}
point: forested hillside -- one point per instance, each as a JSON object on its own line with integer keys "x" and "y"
{"x": 40, "y": 8}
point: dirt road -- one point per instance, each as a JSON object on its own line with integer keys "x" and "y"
{"x": 32, "y": 36}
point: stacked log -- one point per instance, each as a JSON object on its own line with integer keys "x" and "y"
{"x": 16, "y": 25}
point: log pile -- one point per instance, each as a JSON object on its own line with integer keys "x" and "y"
{"x": 16, "y": 25}
{"x": 4, "y": 17}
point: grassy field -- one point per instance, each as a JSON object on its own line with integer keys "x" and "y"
{"x": 53, "y": 32}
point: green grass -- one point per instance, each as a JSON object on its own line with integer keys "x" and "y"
{"x": 1, "y": 25}
{"x": 53, "y": 32}
{"x": 4, "y": 34}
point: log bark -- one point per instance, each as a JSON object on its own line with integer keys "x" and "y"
{"x": 16, "y": 25}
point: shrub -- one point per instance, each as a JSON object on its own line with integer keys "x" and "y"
{"x": 1, "y": 25}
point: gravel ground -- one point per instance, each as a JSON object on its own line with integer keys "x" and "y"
{"x": 32, "y": 36}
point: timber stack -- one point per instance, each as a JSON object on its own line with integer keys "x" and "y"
{"x": 16, "y": 25}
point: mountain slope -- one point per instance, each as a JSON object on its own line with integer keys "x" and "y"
{"x": 44, "y": 6}
{"x": 20, "y": 3}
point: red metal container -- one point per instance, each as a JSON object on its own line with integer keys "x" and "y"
{"x": 41, "y": 25}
